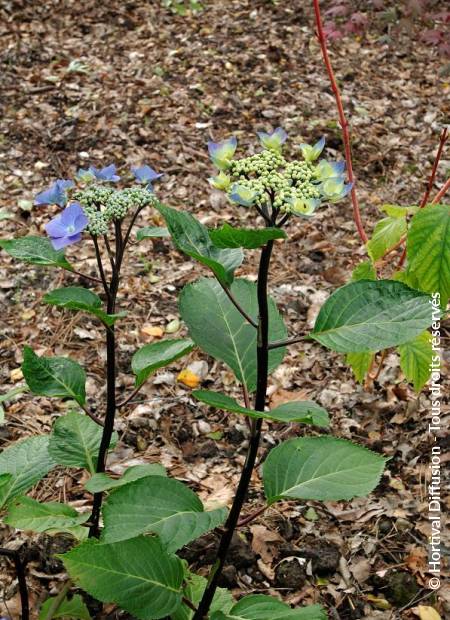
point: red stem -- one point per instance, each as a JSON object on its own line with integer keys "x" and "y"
{"x": 442, "y": 141}
{"x": 442, "y": 191}
{"x": 342, "y": 120}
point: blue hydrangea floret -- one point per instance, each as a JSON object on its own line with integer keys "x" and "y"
{"x": 67, "y": 227}
{"x": 56, "y": 194}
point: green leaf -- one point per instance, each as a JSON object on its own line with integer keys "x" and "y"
{"x": 428, "y": 250}
{"x": 35, "y": 250}
{"x": 370, "y": 316}
{"x": 138, "y": 575}
{"x": 364, "y": 271}
{"x": 360, "y": 363}
{"x": 303, "y": 412}
{"x": 220, "y": 330}
{"x": 249, "y": 238}
{"x": 192, "y": 238}
{"x": 102, "y": 482}
{"x": 193, "y": 591}
{"x": 28, "y": 514}
{"x": 151, "y": 357}
{"x": 20, "y": 389}
{"x": 399, "y": 211}
{"x": 387, "y": 233}
{"x": 320, "y": 468}
{"x": 54, "y": 376}
{"x": 27, "y": 461}
{"x": 75, "y": 441}
{"x": 152, "y": 232}
{"x": 80, "y": 298}
{"x": 415, "y": 360}
{"x": 73, "y": 609}
{"x": 5, "y": 479}
{"x": 262, "y": 607}
{"x": 160, "y": 505}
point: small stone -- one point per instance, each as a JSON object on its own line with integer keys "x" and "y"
{"x": 204, "y": 427}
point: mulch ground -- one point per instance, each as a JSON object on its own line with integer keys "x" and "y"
{"x": 129, "y": 82}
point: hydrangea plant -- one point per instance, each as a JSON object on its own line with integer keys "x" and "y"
{"x": 125, "y": 548}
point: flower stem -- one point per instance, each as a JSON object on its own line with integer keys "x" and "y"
{"x": 260, "y": 400}
{"x": 108, "y": 427}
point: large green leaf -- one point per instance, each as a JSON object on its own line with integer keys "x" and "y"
{"x": 320, "y": 468}
{"x": 137, "y": 574}
{"x": 54, "y": 376}
{"x": 80, "y": 298}
{"x": 160, "y": 505}
{"x": 386, "y": 235}
{"x": 192, "y": 238}
{"x": 220, "y": 330}
{"x": 35, "y": 250}
{"x": 75, "y": 441}
{"x": 70, "y": 609}
{"x": 262, "y": 607}
{"x": 153, "y": 356}
{"x": 249, "y": 238}
{"x": 27, "y": 514}
{"x": 102, "y": 482}
{"x": 370, "y": 316}
{"x": 303, "y": 412}
{"x": 26, "y": 461}
{"x": 415, "y": 360}
{"x": 360, "y": 363}
{"x": 193, "y": 591}
{"x": 428, "y": 250}
{"x": 152, "y": 232}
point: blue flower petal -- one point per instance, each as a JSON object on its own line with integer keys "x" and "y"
{"x": 108, "y": 173}
{"x": 222, "y": 152}
{"x": 66, "y": 228}
{"x": 145, "y": 174}
{"x": 242, "y": 195}
{"x": 274, "y": 140}
{"x": 56, "y": 194}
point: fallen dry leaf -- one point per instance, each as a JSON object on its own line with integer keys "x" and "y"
{"x": 16, "y": 375}
{"x": 428, "y": 613}
{"x": 189, "y": 378}
{"x": 264, "y": 541}
{"x": 154, "y": 331}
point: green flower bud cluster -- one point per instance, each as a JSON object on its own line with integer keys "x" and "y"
{"x": 139, "y": 197}
{"x": 103, "y": 204}
{"x": 98, "y": 224}
{"x": 275, "y": 180}
{"x": 93, "y": 196}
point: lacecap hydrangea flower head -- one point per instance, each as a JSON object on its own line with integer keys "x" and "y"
{"x": 94, "y": 205}
{"x": 268, "y": 180}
